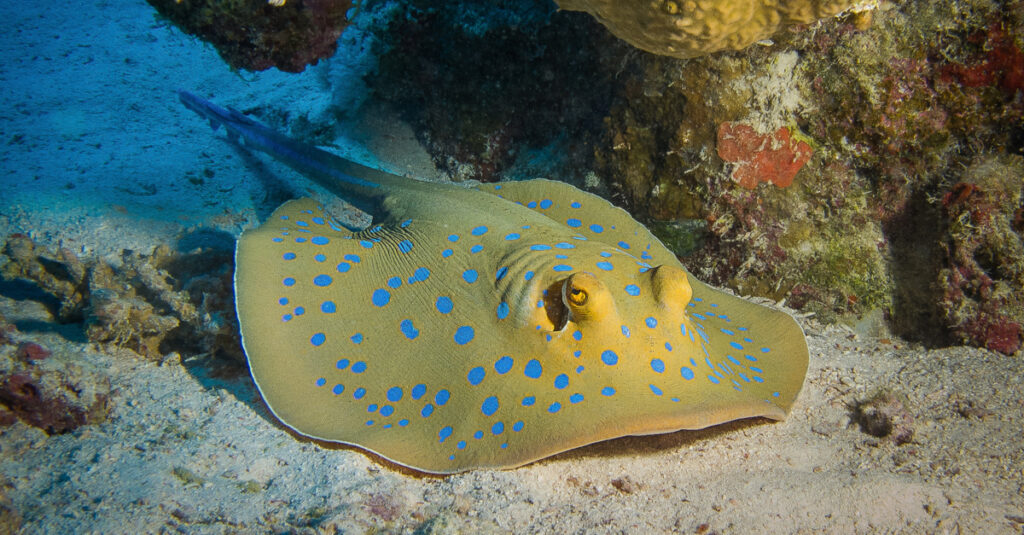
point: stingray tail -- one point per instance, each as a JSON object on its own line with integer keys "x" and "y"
{"x": 356, "y": 183}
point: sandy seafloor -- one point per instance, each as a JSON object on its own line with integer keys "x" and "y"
{"x": 96, "y": 155}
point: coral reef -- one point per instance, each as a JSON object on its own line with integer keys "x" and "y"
{"x": 257, "y": 35}
{"x": 152, "y": 304}
{"x": 686, "y": 29}
{"x": 894, "y": 116}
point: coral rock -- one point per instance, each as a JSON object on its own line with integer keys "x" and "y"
{"x": 694, "y": 28}
{"x": 258, "y": 35}
{"x": 774, "y": 158}
{"x": 32, "y": 351}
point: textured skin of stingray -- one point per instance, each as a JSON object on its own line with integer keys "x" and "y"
{"x": 490, "y": 326}
{"x": 690, "y": 28}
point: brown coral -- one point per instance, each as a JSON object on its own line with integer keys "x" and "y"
{"x": 257, "y": 35}
{"x": 690, "y": 28}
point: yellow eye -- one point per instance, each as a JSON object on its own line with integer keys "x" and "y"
{"x": 577, "y": 296}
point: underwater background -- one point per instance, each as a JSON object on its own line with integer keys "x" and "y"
{"x": 865, "y": 170}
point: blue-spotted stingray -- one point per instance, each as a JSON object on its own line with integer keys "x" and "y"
{"x": 487, "y": 326}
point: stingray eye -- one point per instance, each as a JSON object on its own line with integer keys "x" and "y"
{"x": 577, "y": 296}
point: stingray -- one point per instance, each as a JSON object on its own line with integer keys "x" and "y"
{"x": 487, "y": 326}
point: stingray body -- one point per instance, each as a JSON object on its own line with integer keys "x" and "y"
{"x": 488, "y": 326}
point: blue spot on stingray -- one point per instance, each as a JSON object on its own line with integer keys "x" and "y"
{"x": 713, "y": 379}
{"x": 354, "y": 258}
{"x": 476, "y": 249}
{"x": 406, "y": 223}
{"x": 442, "y": 397}
{"x": 321, "y": 381}
{"x": 656, "y": 390}
{"x": 733, "y": 360}
{"x": 531, "y": 204}
{"x": 288, "y": 256}
{"x": 528, "y": 275}
{"x": 596, "y": 228}
{"x": 480, "y": 231}
{"x": 387, "y": 410}
{"x": 302, "y": 223}
{"x": 607, "y": 391}
{"x": 428, "y": 409}
{"x": 318, "y": 220}
{"x": 501, "y": 273}
{"x": 609, "y": 357}
{"x": 394, "y": 394}
{"x": 765, "y": 349}
{"x": 577, "y": 353}
{"x": 651, "y": 322}
{"x": 286, "y": 317}
{"x": 502, "y": 310}
{"x": 418, "y": 391}
{"x": 561, "y": 381}
{"x": 503, "y": 365}
{"x": 408, "y": 329}
{"x": 687, "y": 373}
{"x": 573, "y": 222}
{"x": 682, "y": 328}
{"x": 338, "y": 389}
{"x": 277, "y": 240}
{"x": 633, "y": 290}
{"x": 469, "y": 275}
{"x": 577, "y": 335}
{"x": 421, "y": 274}
{"x": 736, "y": 346}
{"x": 555, "y": 407}
{"x": 444, "y": 433}
{"x": 357, "y": 338}
{"x": 476, "y": 375}
{"x": 498, "y": 428}
{"x": 320, "y": 240}
{"x": 489, "y": 406}
{"x": 751, "y": 358}
{"x": 564, "y": 245}
{"x": 446, "y": 253}
{"x": 646, "y": 256}
{"x": 318, "y": 339}
{"x": 518, "y": 426}
{"x": 367, "y": 244}
{"x": 381, "y": 297}
{"x": 453, "y": 238}
{"x": 320, "y": 258}
{"x": 444, "y": 305}
{"x": 561, "y": 256}
{"x": 463, "y": 335}
{"x": 343, "y": 267}
{"x": 756, "y": 369}
{"x": 540, "y": 247}
{"x": 562, "y": 267}
{"x": 576, "y": 398}
{"x": 668, "y": 346}
{"x": 359, "y": 367}
{"x": 528, "y": 401}
{"x": 300, "y": 240}
{"x": 288, "y": 281}
{"x": 545, "y": 204}
{"x": 512, "y": 236}
{"x": 282, "y": 301}
{"x": 395, "y": 282}
{"x": 359, "y": 393}
{"x": 533, "y": 369}
{"x": 478, "y": 434}
{"x": 575, "y": 204}
{"x": 607, "y": 266}
{"x": 658, "y": 365}
{"x": 625, "y": 331}
{"x": 405, "y": 246}
{"x": 403, "y": 422}
{"x": 624, "y": 245}
{"x": 300, "y": 311}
